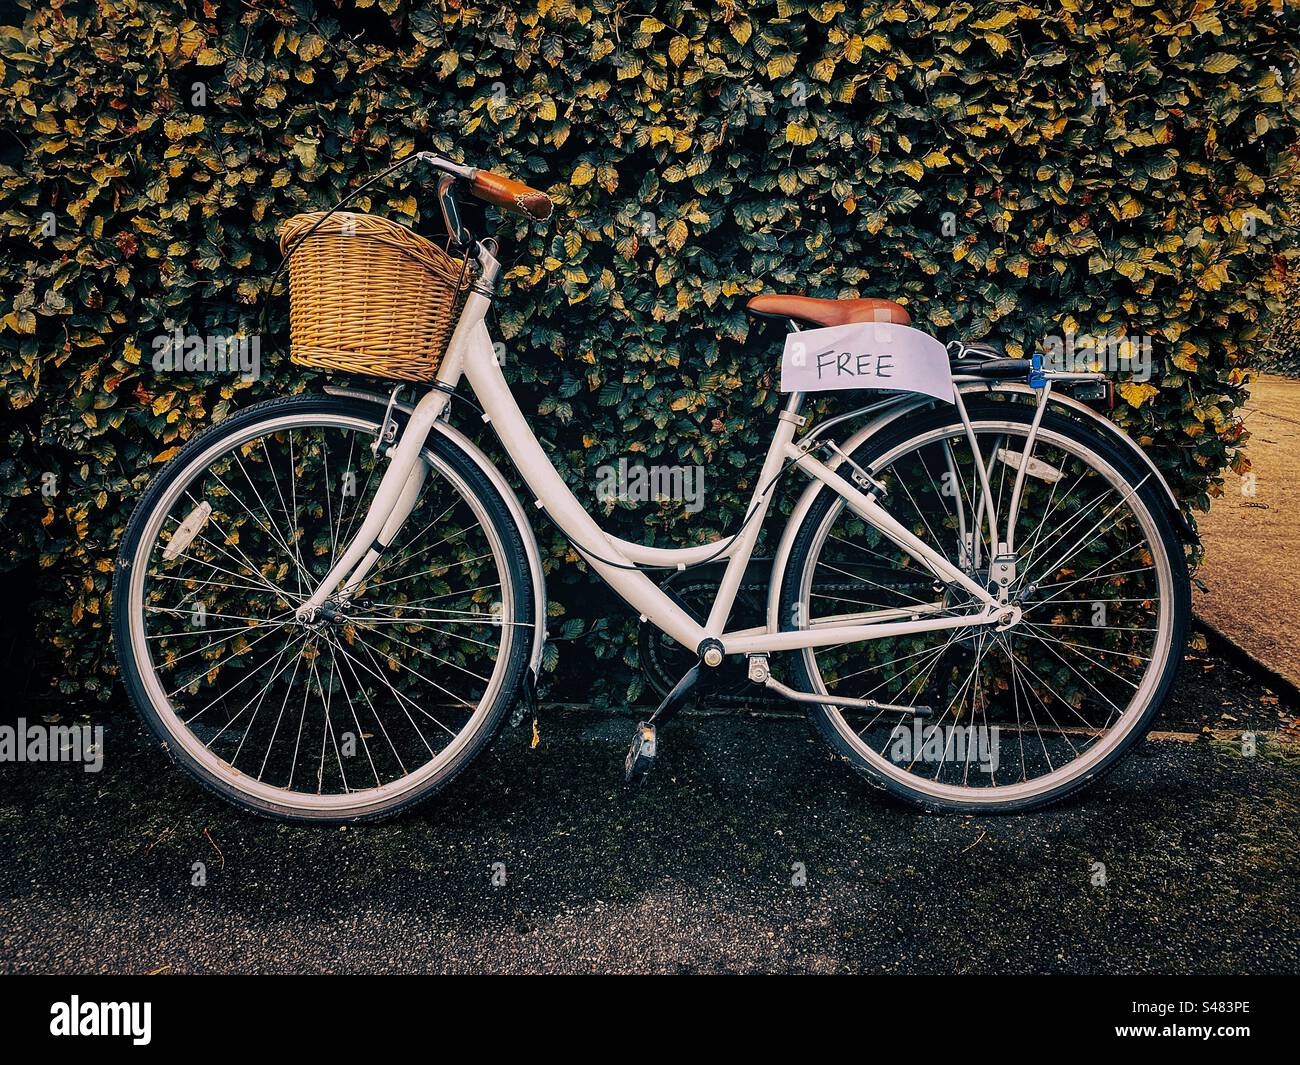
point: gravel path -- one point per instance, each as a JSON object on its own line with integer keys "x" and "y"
{"x": 699, "y": 870}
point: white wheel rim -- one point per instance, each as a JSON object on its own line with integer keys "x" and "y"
{"x": 1113, "y": 736}
{"x": 354, "y": 802}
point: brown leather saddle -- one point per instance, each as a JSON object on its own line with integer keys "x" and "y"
{"x": 828, "y": 312}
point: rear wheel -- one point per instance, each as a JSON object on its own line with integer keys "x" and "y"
{"x": 991, "y": 720}
{"x": 381, "y": 701}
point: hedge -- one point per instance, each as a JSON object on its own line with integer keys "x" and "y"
{"x": 1282, "y": 349}
{"x": 1010, "y": 171}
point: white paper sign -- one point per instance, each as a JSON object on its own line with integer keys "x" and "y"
{"x": 866, "y": 355}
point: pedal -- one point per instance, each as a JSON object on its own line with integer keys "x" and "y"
{"x": 641, "y": 755}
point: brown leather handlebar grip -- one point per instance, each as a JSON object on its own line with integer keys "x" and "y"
{"x": 510, "y": 194}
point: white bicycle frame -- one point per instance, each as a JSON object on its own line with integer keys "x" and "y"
{"x": 470, "y": 354}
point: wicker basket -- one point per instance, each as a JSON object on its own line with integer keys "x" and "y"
{"x": 368, "y": 296}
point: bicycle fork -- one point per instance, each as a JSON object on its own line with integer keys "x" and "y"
{"x": 398, "y": 492}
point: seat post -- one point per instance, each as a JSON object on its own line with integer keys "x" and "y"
{"x": 795, "y": 402}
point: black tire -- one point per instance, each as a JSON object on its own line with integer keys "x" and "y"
{"x": 515, "y": 558}
{"x": 907, "y": 428}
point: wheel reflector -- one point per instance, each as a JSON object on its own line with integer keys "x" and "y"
{"x": 186, "y": 531}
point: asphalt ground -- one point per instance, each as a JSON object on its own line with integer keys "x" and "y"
{"x": 749, "y": 850}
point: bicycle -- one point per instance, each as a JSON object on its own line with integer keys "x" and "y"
{"x": 982, "y": 599}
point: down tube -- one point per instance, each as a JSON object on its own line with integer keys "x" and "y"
{"x": 553, "y": 494}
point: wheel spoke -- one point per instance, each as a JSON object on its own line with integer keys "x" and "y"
{"x": 313, "y": 715}
{"x": 1052, "y": 678}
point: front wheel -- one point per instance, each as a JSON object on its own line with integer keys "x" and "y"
{"x": 983, "y": 720}
{"x": 365, "y": 710}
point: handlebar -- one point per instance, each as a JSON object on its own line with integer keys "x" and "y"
{"x": 497, "y": 189}
{"x": 510, "y": 194}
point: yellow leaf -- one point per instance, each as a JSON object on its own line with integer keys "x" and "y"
{"x": 1220, "y": 63}
{"x": 1126, "y": 208}
{"x": 1185, "y": 357}
{"x": 797, "y": 134}
{"x": 582, "y": 174}
{"x": 1136, "y": 394}
{"x": 998, "y": 43}
{"x": 312, "y": 45}
{"x": 824, "y": 69}
{"x": 780, "y": 65}
{"x": 1214, "y": 277}
{"x": 996, "y": 22}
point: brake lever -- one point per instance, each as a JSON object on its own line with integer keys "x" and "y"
{"x": 447, "y": 166}
{"x": 450, "y": 212}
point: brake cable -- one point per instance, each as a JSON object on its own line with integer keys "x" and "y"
{"x": 418, "y": 157}
{"x": 680, "y": 566}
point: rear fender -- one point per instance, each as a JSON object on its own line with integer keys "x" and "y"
{"x": 888, "y": 417}
{"x": 1104, "y": 425}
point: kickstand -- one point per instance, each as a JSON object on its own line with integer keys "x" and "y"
{"x": 645, "y": 743}
{"x": 528, "y": 705}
